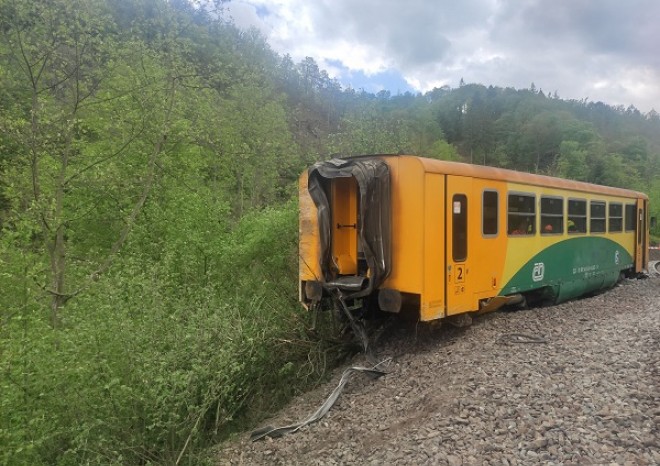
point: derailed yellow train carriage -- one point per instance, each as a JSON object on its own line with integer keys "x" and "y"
{"x": 445, "y": 238}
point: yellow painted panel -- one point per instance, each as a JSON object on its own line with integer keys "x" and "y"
{"x": 407, "y": 188}
{"x": 434, "y": 248}
{"x": 308, "y": 234}
{"x": 489, "y": 251}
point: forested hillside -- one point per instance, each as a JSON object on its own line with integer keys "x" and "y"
{"x": 149, "y": 152}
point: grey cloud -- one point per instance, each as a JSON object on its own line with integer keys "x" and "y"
{"x": 418, "y": 46}
{"x": 413, "y": 33}
{"x": 624, "y": 30}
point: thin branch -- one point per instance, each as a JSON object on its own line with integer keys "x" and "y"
{"x": 29, "y": 66}
{"x": 45, "y": 289}
{"x": 117, "y": 96}
{"x": 87, "y": 212}
{"x": 192, "y": 431}
{"x": 104, "y": 159}
{"x": 178, "y": 179}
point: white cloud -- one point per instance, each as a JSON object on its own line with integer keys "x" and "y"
{"x": 605, "y": 50}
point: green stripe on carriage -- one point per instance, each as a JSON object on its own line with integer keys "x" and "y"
{"x": 572, "y": 268}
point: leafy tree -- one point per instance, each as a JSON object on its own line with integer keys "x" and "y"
{"x": 572, "y": 161}
{"x": 442, "y": 150}
{"x": 612, "y": 170}
{"x": 256, "y": 148}
{"x": 59, "y": 54}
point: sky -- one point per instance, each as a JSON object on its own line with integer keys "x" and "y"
{"x": 600, "y": 50}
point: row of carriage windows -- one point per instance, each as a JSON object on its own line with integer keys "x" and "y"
{"x": 581, "y": 215}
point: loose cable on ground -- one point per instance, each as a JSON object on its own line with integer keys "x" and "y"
{"x": 275, "y": 432}
{"x": 374, "y": 371}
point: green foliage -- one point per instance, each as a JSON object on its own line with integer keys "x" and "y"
{"x": 442, "y": 150}
{"x": 150, "y": 360}
{"x": 653, "y": 191}
{"x": 133, "y": 161}
{"x": 572, "y": 161}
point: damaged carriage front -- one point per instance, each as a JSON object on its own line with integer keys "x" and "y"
{"x": 345, "y": 229}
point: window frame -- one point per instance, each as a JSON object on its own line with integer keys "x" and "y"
{"x": 612, "y": 216}
{"x": 520, "y": 214}
{"x": 542, "y": 216}
{"x": 497, "y": 213}
{"x": 626, "y": 221}
{"x": 598, "y": 202}
{"x": 463, "y": 214}
{"x": 569, "y": 216}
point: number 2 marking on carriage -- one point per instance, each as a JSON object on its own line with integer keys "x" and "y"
{"x": 460, "y": 274}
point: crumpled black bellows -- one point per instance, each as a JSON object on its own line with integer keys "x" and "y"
{"x": 373, "y": 179}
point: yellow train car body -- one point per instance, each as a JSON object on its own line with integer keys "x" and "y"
{"x": 450, "y": 244}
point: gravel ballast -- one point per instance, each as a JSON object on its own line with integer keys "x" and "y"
{"x": 588, "y": 394}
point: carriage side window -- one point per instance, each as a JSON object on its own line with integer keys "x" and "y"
{"x": 616, "y": 217}
{"x": 460, "y": 227}
{"x": 521, "y": 214}
{"x": 489, "y": 207}
{"x": 597, "y": 218}
{"x": 577, "y": 216}
{"x": 631, "y": 219}
{"x": 552, "y": 215}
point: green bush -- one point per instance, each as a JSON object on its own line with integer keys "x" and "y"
{"x": 149, "y": 365}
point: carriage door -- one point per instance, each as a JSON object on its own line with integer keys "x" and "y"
{"x": 641, "y": 248}
{"x": 458, "y": 213}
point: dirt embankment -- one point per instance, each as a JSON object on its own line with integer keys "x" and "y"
{"x": 590, "y": 394}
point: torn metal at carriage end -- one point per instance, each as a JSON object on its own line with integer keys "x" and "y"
{"x": 373, "y": 224}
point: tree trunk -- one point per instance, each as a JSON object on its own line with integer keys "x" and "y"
{"x": 58, "y": 244}
{"x": 58, "y": 269}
